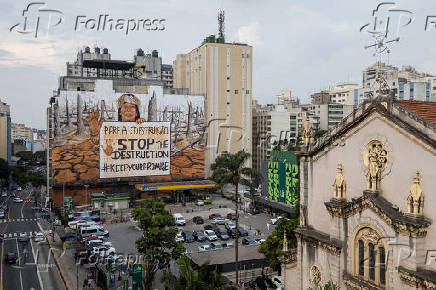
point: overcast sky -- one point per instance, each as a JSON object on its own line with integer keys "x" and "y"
{"x": 303, "y": 46}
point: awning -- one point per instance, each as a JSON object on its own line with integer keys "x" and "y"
{"x": 275, "y": 204}
{"x": 184, "y": 185}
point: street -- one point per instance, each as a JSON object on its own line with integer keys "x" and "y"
{"x": 34, "y": 268}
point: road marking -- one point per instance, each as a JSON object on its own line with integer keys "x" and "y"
{"x": 37, "y": 269}
{"x": 1, "y": 279}
{"x": 18, "y": 254}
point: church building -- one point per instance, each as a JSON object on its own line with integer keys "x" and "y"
{"x": 368, "y": 201}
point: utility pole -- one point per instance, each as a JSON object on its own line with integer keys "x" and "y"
{"x": 237, "y": 235}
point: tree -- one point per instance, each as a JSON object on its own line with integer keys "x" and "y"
{"x": 319, "y": 133}
{"x": 193, "y": 279}
{"x": 273, "y": 245}
{"x": 230, "y": 169}
{"x": 4, "y": 172}
{"x": 158, "y": 240}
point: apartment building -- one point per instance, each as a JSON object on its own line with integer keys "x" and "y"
{"x": 223, "y": 73}
{"x": 5, "y": 132}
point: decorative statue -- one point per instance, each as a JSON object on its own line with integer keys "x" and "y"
{"x": 307, "y": 132}
{"x": 415, "y": 200}
{"x": 376, "y": 160}
{"x": 339, "y": 186}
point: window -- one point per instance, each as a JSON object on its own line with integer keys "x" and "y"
{"x": 247, "y": 91}
{"x": 236, "y": 92}
{"x": 371, "y": 262}
{"x": 228, "y": 91}
{"x": 228, "y": 78}
{"x": 382, "y": 265}
{"x": 361, "y": 258}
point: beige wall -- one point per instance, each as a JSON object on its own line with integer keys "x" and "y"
{"x": 3, "y": 138}
{"x": 21, "y": 130}
{"x": 217, "y": 70}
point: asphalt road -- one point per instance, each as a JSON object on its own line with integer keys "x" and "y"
{"x": 34, "y": 268}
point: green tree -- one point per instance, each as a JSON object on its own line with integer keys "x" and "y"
{"x": 230, "y": 169}
{"x": 193, "y": 279}
{"x": 273, "y": 245}
{"x": 158, "y": 241}
{"x": 4, "y": 172}
{"x": 319, "y": 133}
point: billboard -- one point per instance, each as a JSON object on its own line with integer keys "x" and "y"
{"x": 130, "y": 149}
{"x": 78, "y": 117}
{"x": 282, "y": 177}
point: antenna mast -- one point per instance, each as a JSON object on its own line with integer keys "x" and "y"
{"x": 221, "y": 18}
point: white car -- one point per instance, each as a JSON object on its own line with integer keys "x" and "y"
{"x": 203, "y": 248}
{"x": 179, "y": 237}
{"x": 39, "y": 237}
{"x": 277, "y": 280}
{"x": 18, "y": 200}
{"x": 210, "y": 235}
{"x": 275, "y": 220}
{"x": 200, "y": 202}
{"x": 230, "y": 225}
{"x": 219, "y": 221}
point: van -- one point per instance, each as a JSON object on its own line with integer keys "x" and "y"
{"x": 88, "y": 231}
{"x": 179, "y": 219}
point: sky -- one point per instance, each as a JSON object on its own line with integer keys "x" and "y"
{"x": 302, "y": 46}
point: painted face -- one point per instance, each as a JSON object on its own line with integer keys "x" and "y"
{"x": 128, "y": 112}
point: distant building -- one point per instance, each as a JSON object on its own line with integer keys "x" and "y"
{"x": 342, "y": 93}
{"x": 326, "y": 116}
{"x": 22, "y": 133}
{"x": 99, "y": 64}
{"x": 223, "y": 73}
{"x": 5, "y": 132}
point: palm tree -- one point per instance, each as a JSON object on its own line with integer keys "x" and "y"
{"x": 230, "y": 169}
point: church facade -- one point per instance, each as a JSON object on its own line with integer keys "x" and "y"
{"x": 368, "y": 201}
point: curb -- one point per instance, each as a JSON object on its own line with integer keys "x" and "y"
{"x": 64, "y": 276}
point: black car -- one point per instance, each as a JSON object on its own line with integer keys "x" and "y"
{"x": 11, "y": 258}
{"x": 214, "y": 228}
{"x": 265, "y": 283}
{"x": 222, "y": 234}
{"x": 248, "y": 241}
{"x": 243, "y": 232}
{"x": 189, "y": 237}
{"x": 199, "y": 236}
{"x": 214, "y": 215}
{"x": 255, "y": 210}
{"x": 198, "y": 220}
{"x": 231, "y": 216}
{"x": 233, "y": 233}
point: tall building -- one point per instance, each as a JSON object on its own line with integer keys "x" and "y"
{"x": 326, "y": 116}
{"x": 341, "y": 93}
{"x": 5, "y": 132}
{"x": 223, "y": 73}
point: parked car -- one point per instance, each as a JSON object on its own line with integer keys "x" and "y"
{"x": 230, "y": 225}
{"x": 4, "y": 194}
{"x": 179, "y": 237}
{"x": 265, "y": 283}
{"x": 216, "y": 246}
{"x": 231, "y": 216}
{"x": 210, "y": 235}
{"x": 211, "y": 228}
{"x": 188, "y": 236}
{"x": 233, "y": 233}
{"x": 11, "y": 258}
{"x": 69, "y": 236}
{"x": 179, "y": 219}
{"x": 277, "y": 280}
{"x": 243, "y": 232}
{"x": 275, "y": 220}
{"x": 214, "y": 215}
{"x": 200, "y": 202}
{"x": 2, "y": 214}
{"x": 18, "y": 200}
{"x": 23, "y": 237}
{"x": 199, "y": 236}
{"x": 203, "y": 248}
{"x": 222, "y": 234}
{"x": 219, "y": 221}
{"x": 39, "y": 237}
{"x": 5, "y": 207}
{"x": 198, "y": 220}
{"x": 248, "y": 241}
{"x": 254, "y": 210}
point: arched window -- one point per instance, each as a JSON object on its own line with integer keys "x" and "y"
{"x": 382, "y": 265}
{"x": 370, "y": 256}
{"x": 371, "y": 262}
{"x": 361, "y": 258}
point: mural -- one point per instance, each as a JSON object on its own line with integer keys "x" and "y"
{"x": 78, "y": 117}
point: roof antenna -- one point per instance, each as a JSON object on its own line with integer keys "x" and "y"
{"x": 221, "y": 18}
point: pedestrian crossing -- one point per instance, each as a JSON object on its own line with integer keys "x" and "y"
{"x": 17, "y": 220}
{"x": 17, "y": 234}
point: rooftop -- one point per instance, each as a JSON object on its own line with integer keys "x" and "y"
{"x": 225, "y": 256}
{"x": 426, "y": 110}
